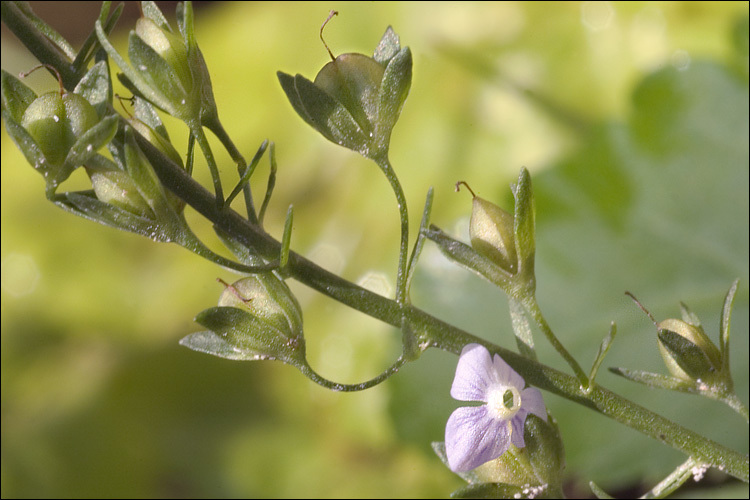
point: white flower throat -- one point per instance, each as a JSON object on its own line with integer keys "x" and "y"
{"x": 503, "y": 401}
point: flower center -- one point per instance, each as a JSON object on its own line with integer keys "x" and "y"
{"x": 503, "y": 401}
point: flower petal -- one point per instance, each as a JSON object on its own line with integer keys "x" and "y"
{"x": 474, "y": 374}
{"x": 516, "y": 436}
{"x": 532, "y": 402}
{"x": 473, "y": 437}
{"x": 507, "y": 375}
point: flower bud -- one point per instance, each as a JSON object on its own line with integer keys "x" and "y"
{"x": 56, "y": 121}
{"x": 169, "y": 46}
{"x": 258, "y": 318}
{"x": 687, "y": 351}
{"x": 166, "y": 67}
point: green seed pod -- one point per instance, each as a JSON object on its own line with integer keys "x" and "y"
{"x": 354, "y": 81}
{"x": 355, "y": 99}
{"x": 268, "y": 299}
{"x": 491, "y": 232}
{"x": 696, "y": 337}
{"x": 117, "y": 188}
{"x": 56, "y": 121}
{"x": 169, "y": 46}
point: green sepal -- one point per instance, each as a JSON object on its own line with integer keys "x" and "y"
{"x": 153, "y": 12}
{"x": 524, "y": 227}
{"x": 96, "y": 88}
{"x": 131, "y": 78}
{"x": 16, "y": 96}
{"x": 145, "y": 112}
{"x": 85, "y": 204}
{"x": 688, "y": 316}
{"x": 489, "y": 490}
{"x": 251, "y": 335}
{"x": 546, "y": 453}
{"x": 324, "y": 113}
{"x": 394, "y": 89}
{"x": 166, "y": 91}
{"x": 145, "y": 178}
{"x": 469, "y": 258}
{"x": 209, "y": 342}
{"x": 88, "y": 144}
{"x": 388, "y": 47}
{"x": 690, "y": 357}
{"x": 28, "y": 146}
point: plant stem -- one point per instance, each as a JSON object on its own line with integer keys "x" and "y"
{"x": 403, "y": 254}
{"x": 433, "y": 332}
{"x": 533, "y": 309}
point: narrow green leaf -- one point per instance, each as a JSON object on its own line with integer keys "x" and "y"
{"x": 603, "y": 349}
{"x": 652, "y": 379}
{"x": 245, "y": 178}
{"x": 286, "y": 238}
{"x": 419, "y": 244}
{"x": 724, "y": 327}
{"x": 524, "y": 223}
{"x": 271, "y": 183}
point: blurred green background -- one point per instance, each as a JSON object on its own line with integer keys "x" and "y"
{"x": 632, "y": 118}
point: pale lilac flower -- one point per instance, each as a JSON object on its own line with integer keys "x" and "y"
{"x": 477, "y": 434}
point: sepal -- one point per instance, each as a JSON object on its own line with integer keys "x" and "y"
{"x": 355, "y": 99}
{"x": 258, "y": 318}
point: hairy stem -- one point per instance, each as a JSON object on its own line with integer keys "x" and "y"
{"x": 433, "y": 332}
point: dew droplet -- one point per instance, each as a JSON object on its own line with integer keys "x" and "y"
{"x": 90, "y": 147}
{"x": 142, "y": 67}
{"x": 56, "y": 118}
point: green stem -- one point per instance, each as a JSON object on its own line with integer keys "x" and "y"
{"x": 674, "y": 480}
{"x": 202, "y": 140}
{"x": 533, "y": 309}
{"x": 403, "y": 254}
{"x": 335, "y": 386}
{"x": 433, "y": 332}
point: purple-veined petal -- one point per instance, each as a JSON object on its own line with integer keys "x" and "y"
{"x": 516, "y": 436}
{"x": 474, "y": 374}
{"x": 507, "y": 375}
{"x": 473, "y": 437}
{"x": 532, "y": 402}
